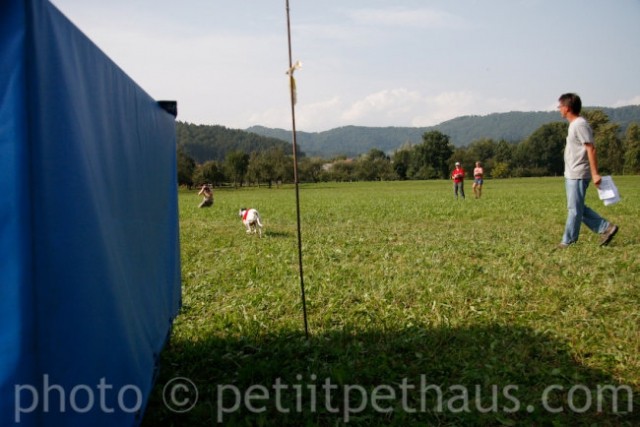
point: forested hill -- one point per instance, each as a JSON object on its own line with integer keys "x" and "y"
{"x": 204, "y": 142}
{"x": 512, "y": 127}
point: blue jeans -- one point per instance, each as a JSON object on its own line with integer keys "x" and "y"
{"x": 458, "y": 186}
{"x": 578, "y": 212}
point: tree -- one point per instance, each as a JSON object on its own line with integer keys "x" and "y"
{"x": 596, "y": 118}
{"x": 269, "y": 166}
{"x": 610, "y": 149}
{"x": 282, "y": 164}
{"x": 632, "y": 149}
{"x": 204, "y": 142}
{"x": 236, "y": 164}
{"x": 401, "y": 160}
{"x": 500, "y": 170}
{"x": 257, "y": 168}
{"x": 310, "y": 169}
{"x": 542, "y": 153}
{"x": 503, "y": 152}
{"x": 374, "y": 166}
{"x": 186, "y": 165}
{"x": 482, "y": 150}
{"x": 210, "y": 172}
{"x": 502, "y": 159}
{"x": 342, "y": 170}
{"x": 431, "y": 157}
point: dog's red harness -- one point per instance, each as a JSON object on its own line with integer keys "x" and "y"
{"x": 244, "y": 217}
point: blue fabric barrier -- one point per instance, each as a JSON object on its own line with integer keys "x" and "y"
{"x": 89, "y": 244}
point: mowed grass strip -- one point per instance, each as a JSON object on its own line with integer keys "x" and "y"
{"x": 406, "y": 287}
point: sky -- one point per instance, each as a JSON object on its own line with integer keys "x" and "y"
{"x": 368, "y": 62}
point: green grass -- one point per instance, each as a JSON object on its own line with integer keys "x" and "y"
{"x": 404, "y": 284}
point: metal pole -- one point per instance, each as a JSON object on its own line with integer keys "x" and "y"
{"x": 295, "y": 172}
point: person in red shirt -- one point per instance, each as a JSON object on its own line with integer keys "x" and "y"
{"x": 458, "y": 180}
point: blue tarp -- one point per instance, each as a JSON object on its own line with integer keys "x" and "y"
{"x": 89, "y": 246}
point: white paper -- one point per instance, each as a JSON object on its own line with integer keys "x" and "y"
{"x": 608, "y": 192}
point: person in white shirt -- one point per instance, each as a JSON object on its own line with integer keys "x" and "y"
{"x": 580, "y": 167}
{"x": 478, "y": 180}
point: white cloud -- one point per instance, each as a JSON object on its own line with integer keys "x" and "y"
{"x": 388, "y": 107}
{"x": 404, "y": 107}
{"x": 271, "y": 118}
{"x": 407, "y": 63}
{"x": 321, "y": 115}
{"x": 317, "y": 116}
{"x": 624, "y": 102}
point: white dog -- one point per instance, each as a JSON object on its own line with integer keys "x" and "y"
{"x": 251, "y": 220}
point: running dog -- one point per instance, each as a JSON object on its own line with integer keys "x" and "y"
{"x": 251, "y": 220}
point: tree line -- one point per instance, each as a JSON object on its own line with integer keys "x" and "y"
{"x": 541, "y": 154}
{"x": 203, "y": 143}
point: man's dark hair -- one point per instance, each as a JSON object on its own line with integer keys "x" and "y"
{"x": 572, "y": 101}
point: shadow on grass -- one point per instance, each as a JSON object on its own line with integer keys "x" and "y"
{"x": 278, "y": 234}
{"x": 486, "y": 376}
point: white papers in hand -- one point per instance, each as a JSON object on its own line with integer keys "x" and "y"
{"x": 608, "y": 192}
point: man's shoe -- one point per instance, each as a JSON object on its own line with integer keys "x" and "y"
{"x": 563, "y": 245}
{"x": 608, "y": 234}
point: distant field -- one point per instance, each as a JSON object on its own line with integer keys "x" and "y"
{"x": 422, "y": 310}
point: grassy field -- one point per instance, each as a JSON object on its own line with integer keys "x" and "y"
{"x": 423, "y": 310}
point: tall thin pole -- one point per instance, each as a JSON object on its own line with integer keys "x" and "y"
{"x": 292, "y": 90}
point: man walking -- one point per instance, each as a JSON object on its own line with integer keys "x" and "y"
{"x": 580, "y": 167}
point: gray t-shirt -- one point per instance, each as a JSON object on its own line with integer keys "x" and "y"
{"x": 576, "y": 161}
